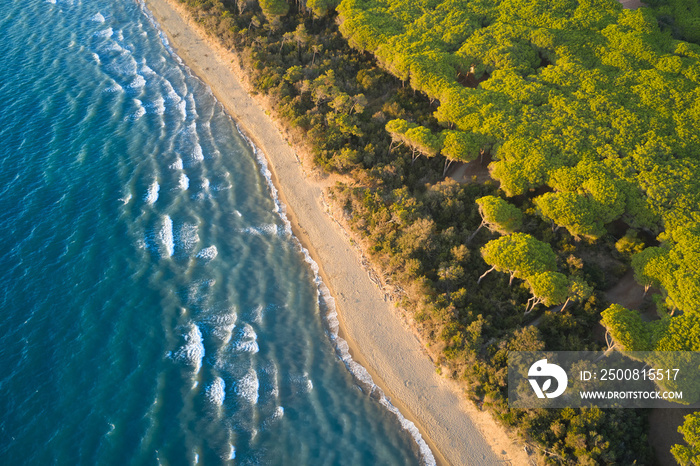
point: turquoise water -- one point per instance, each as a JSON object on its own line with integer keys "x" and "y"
{"x": 155, "y": 307}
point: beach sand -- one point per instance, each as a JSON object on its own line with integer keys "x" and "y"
{"x": 456, "y": 431}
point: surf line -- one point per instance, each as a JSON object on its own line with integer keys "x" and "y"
{"x": 330, "y": 316}
{"x": 325, "y": 300}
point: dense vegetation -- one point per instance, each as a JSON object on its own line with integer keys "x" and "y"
{"x": 590, "y": 114}
{"x": 689, "y": 454}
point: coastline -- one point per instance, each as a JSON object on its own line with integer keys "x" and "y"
{"x": 378, "y": 339}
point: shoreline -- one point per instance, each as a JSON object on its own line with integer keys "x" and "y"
{"x": 377, "y": 338}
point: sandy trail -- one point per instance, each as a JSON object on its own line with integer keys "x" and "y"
{"x": 456, "y": 432}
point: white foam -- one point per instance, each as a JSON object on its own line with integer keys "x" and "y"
{"x": 411, "y": 428}
{"x": 140, "y": 111}
{"x": 205, "y": 184}
{"x": 152, "y": 194}
{"x": 53, "y": 2}
{"x": 159, "y": 105}
{"x": 238, "y": 213}
{"x": 216, "y": 392}
{"x": 104, "y": 33}
{"x": 197, "y": 153}
{"x": 223, "y": 325}
{"x": 302, "y": 382}
{"x": 182, "y": 107}
{"x": 138, "y": 82}
{"x": 115, "y": 88}
{"x": 96, "y": 58}
{"x": 183, "y": 183}
{"x": 177, "y": 164}
{"x": 170, "y": 91}
{"x": 126, "y": 198}
{"x": 271, "y": 370}
{"x": 232, "y": 452}
{"x": 247, "y": 388}
{"x": 187, "y": 237}
{"x": 257, "y": 314}
{"x": 114, "y": 47}
{"x": 265, "y": 229}
{"x": 265, "y": 171}
{"x": 192, "y": 353}
{"x": 98, "y": 18}
{"x": 208, "y": 253}
{"x": 276, "y": 415}
{"x": 246, "y": 340}
{"x": 166, "y": 236}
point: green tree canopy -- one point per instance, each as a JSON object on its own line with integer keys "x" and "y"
{"x": 674, "y": 267}
{"x": 631, "y": 333}
{"x": 548, "y": 288}
{"x": 498, "y": 215}
{"x": 520, "y": 255}
{"x": 273, "y": 9}
{"x": 420, "y": 139}
{"x": 689, "y": 453}
{"x": 594, "y": 101}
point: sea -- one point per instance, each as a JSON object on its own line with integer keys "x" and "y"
{"x": 156, "y": 308}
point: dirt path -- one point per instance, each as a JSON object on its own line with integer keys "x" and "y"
{"x": 456, "y": 431}
{"x": 631, "y": 4}
{"x": 627, "y": 292}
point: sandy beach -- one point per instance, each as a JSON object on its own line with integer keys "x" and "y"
{"x": 457, "y": 432}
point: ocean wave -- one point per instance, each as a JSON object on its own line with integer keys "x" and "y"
{"x": 115, "y": 88}
{"x": 216, "y": 392}
{"x": 138, "y": 82}
{"x": 183, "y": 182}
{"x": 223, "y": 324}
{"x": 247, "y": 387}
{"x": 272, "y": 379}
{"x": 265, "y": 229}
{"x": 177, "y": 164}
{"x": 301, "y": 383}
{"x": 152, "y": 194}
{"x": 246, "y": 340}
{"x": 256, "y": 314}
{"x": 192, "y": 352}
{"x": 276, "y": 415}
{"x": 104, "y": 33}
{"x": 166, "y": 236}
{"x": 158, "y": 105}
{"x": 187, "y": 237}
{"x": 182, "y": 107}
{"x": 140, "y": 111}
{"x": 113, "y": 47}
{"x": 208, "y": 253}
{"x": 197, "y": 153}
